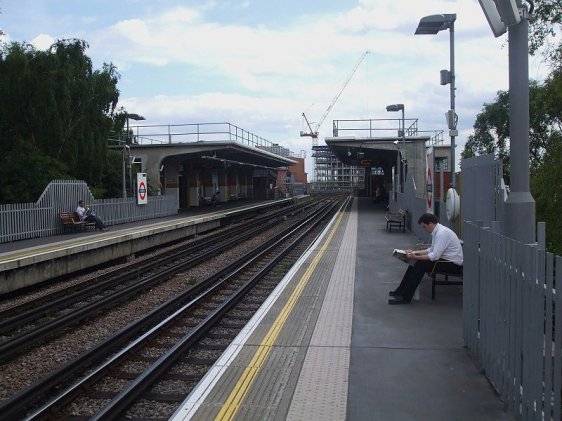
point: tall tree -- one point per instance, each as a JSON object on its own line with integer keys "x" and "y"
{"x": 546, "y": 187}
{"x": 55, "y": 107}
{"x": 491, "y": 129}
{"x": 545, "y": 24}
{"x": 491, "y": 135}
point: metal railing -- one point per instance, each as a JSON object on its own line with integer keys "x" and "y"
{"x": 375, "y": 127}
{"x": 385, "y": 127}
{"x": 436, "y": 137}
{"x": 20, "y": 221}
{"x": 512, "y": 315}
{"x": 197, "y": 132}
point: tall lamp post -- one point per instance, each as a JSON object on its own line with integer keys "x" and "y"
{"x": 431, "y": 25}
{"x": 126, "y": 146}
{"x": 520, "y": 210}
{"x": 394, "y": 108}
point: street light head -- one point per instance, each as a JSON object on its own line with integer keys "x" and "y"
{"x": 500, "y": 14}
{"x": 395, "y": 107}
{"x": 431, "y": 25}
{"x": 134, "y": 116}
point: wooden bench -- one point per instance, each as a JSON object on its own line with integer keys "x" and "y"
{"x": 396, "y": 220}
{"x": 71, "y": 220}
{"x": 442, "y": 278}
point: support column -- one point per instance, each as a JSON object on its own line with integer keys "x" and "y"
{"x": 520, "y": 205}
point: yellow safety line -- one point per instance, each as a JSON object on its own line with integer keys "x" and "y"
{"x": 234, "y": 400}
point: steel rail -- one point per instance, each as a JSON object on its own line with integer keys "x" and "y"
{"x": 62, "y": 299}
{"x": 16, "y": 405}
{"x": 106, "y": 282}
{"x": 11, "y": 348}
{"x": 135, "y": 388}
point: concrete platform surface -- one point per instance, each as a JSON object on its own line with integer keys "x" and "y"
{"x": 408, "y": 362}
{"x": 339, "y": 351}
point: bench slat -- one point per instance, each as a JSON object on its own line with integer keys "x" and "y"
{"x": 71, "y": 220}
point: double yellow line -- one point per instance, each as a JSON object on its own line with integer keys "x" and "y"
{"x": 240, "y": 390}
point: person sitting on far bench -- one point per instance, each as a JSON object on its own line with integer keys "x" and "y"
{"x": 89, "y": 216}
{"x": 445, "y": 248}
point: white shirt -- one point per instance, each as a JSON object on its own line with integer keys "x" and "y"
{"x": 81, "y": 211}
{"x": 445, "y": 245}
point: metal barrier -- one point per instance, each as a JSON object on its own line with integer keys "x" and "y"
{"x": 32, "y": 220}
{"x": 512, "y": 315}
{"x": 196, "y": 132}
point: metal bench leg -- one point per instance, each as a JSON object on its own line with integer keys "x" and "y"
{"x": 433, "y": 287}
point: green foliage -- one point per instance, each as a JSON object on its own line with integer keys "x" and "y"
{"x": 545, "y": 24}
{"x": 110, "y": 183}
{"x": 491, "y": 129}
{"x": 546, "y": 187}
{"x": 25, "y": 183}
{"x": 54, "y": 102}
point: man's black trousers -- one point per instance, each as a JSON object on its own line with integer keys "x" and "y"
{"x": 414, "y": 275}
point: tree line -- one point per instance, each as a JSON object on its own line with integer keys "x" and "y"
{"x": 491, "y": 128}
{"x": 57, "y": 115}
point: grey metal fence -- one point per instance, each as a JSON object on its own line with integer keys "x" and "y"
{"x": 512, "y": 315}
{"x": 31, "y": 220}
{"x": 482, "y": 191}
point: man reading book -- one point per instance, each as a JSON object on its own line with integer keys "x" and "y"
{"x": 85, "y": 214}
{"x": 445, "y": 248}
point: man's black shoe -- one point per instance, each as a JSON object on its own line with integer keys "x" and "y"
{"x": 394, "y": 294}
{"x": 398, "y": 300}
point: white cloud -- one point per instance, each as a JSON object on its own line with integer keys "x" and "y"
{"x": 42, "y": 41}
{"x": 262, "y": 77}
{"x": 291, "y": 68}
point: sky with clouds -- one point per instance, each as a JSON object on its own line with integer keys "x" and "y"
{"x": 259, "y": 64}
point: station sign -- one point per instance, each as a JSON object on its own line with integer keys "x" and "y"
{"x": 142, "y": 189}
{"x": 429, "y": 179}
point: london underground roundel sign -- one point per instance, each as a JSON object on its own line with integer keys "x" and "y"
{"x": 429, "y": 189}
{"x": 142, "y": 191}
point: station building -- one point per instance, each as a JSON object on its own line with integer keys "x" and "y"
{"x": 201, "y": 161}
{"x": 364, "y": 154}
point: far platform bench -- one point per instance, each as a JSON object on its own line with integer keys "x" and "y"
{"x": 71, "y": 220}
{"x": 397, "y": 219}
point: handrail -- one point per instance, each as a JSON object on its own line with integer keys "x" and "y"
{"x": 385, "y": 127}
{"x": 223, "y": 131}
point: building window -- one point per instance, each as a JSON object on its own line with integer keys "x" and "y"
{"x": 441, "y": 164}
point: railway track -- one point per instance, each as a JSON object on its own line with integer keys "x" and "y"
{"x": 26, "y": 325}
{"x": 220, "y": 294}
{"x": 14, "y": 311}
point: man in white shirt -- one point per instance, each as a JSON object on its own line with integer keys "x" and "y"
{"x": 445, "y": 247}
{"x": 88, "y": 216}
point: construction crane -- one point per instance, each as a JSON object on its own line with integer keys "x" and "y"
{"x": 313, "y": 133}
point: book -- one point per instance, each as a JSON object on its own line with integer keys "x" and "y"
{"x": 401, "y": 255}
